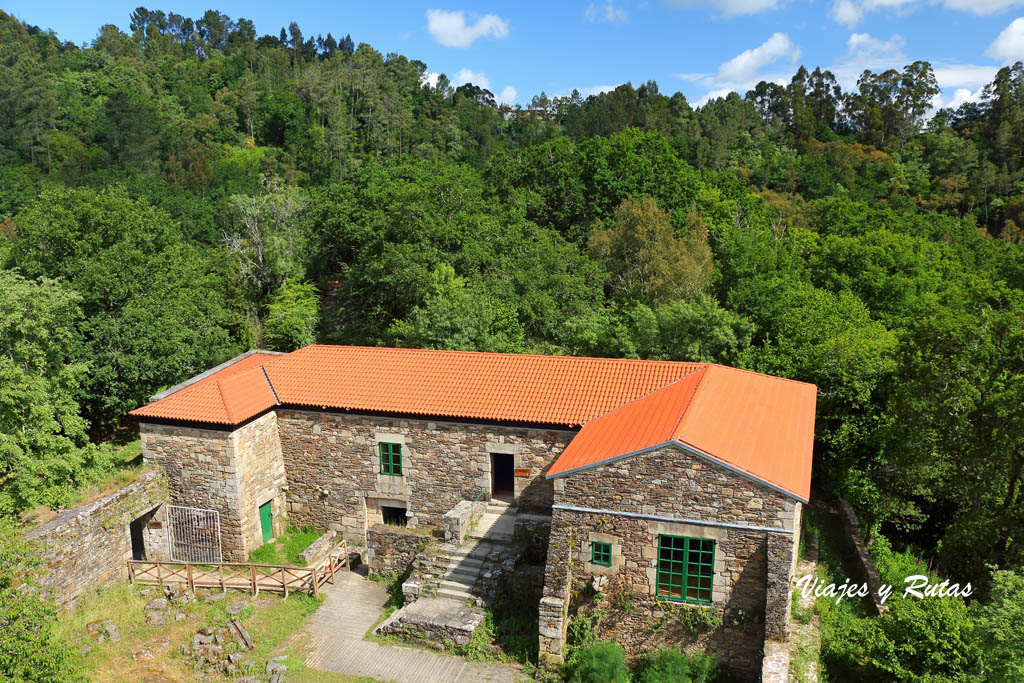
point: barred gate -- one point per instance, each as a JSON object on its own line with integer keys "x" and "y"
{"x": 193, "y": 534}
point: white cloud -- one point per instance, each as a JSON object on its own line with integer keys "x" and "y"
{"x": 429, "y": 78}
{"x": 1008, "y": 46}
{"x": 508, "y": 95}
{"x": 451, "y": 30}
{"x": 692, "y": 77}
{"x": 959, "y": 96}
{"x": 963, "y": 75}
{"x": 477, "y": 78}
{"x": 744, "y": 67}
{"x": 864, "y": 51}
{"x": 606, "y": 11}
{"x": 982, "y": 7}
{"x": 847, "y": 12}
{"x": 850, "y": 12}
{"x": 730, "y": 8}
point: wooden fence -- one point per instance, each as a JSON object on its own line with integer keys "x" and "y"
{"x": 242, "y": 576}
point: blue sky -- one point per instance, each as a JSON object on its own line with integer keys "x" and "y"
{"x": 701, "y": 47}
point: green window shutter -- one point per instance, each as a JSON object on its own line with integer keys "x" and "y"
{"x": 601, "y": 553}
{"x": 686, "y": 568}
{"x": 391, "y": 459}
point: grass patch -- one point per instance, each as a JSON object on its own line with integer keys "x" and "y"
{"x": 285, "y": 548}
{"x": 270, "y": 623}
{"x": 804, "y": 615}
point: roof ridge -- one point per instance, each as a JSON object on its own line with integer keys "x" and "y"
{"x": 693, "y": 397}
{"x": 602, "y": 359}
{"x": 764, "y": 374}
{"x": 224, "y": 401}
{"x": 651, "y": 392}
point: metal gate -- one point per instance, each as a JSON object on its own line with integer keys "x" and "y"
{"x": 193, "y": 534}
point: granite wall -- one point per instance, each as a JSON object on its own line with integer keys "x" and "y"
{"x": 671, "y": 492}
{"x": 333, "y": 467}
{"x": 391, "y": 550}
{"x": 233, "y": 472}
{"x": 90, "y": 545}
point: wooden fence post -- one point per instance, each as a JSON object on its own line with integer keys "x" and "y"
{"x": 252, "y": 576}
{"x": 284, "y": 584}
{"x": 159, "y": 574}
{"x": 191, "y": 581}
{"x": 220, "y": 572}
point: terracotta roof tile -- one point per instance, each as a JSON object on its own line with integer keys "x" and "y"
{"x": 760, "y": 425}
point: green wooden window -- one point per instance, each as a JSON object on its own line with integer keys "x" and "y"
{"x": 391, "y": 459}
{"x": 601, "y": 553}
{"x": 686, "y": 568}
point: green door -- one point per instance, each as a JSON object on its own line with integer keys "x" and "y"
{"x": 266, "y": 522}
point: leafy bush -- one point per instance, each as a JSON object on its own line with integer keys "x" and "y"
{"x": 602, "y": 662}
{"x": 29, "y": 649}
{"x": 672, "y": 666}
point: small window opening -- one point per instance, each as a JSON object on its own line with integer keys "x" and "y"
{"x": 601, "y": 553}
{"x": 394, "y": 516}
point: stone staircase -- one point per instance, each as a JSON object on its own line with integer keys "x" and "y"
{"x": 493, "y": 531}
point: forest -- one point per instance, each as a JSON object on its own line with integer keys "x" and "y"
{"x": 173, "y": 196}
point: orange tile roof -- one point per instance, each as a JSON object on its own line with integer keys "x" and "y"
{"x": 228, "y": 396}
{"x": 557, "y": 390}
{"x": 758, "y": 425}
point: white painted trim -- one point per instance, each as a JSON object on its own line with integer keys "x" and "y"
{"x": 675, "y": 520}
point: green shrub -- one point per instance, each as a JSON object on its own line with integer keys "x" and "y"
{"x": 672, "y": 666}
{"x": 602, "y": 662}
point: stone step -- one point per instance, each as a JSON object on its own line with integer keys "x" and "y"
{"x": 466, "y": 563}
{"x": 454, "y": 587}
{"x": 457, "y": 582}
{"x": 467, "y": 576}
{"x": 461, "y": 596}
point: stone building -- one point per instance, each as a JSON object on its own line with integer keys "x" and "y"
{"x": 678, "y": 483}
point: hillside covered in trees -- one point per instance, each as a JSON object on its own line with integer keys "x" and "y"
{"x": 175, "y": 195}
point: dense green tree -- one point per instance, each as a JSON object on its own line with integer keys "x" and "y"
{"x": 292, "y": 317}
{"x": 646, "y": 260}
{"x": 155, "y": 309}
{"x": 42, "y": 434}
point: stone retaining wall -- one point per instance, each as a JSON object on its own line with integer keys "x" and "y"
{"x": 90, "y": 545}
{"x": 865, "y": 563}
{"x": 460, "y": 519}
{"x": 318, "y": 549}
{"x": 391, "y": 550}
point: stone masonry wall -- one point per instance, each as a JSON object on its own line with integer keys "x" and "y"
{"x": 201, "y": 473}
{"x": 674, "y": 484}
{"x": 90, "y": 545}
{"x": 232, "y": 472}
{"x": 261, "y": 475}
{"x": 391, "y": 550}
{"x": 333, "y": 467}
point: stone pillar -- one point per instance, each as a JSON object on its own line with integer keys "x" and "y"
{"x": 778, "y": 603}
{"x": 554, "y": 604}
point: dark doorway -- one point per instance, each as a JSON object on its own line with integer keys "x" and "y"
{"x": 393, "y": 516}
{"x": 503, "y": 477}
{"x": 138, "y": 541}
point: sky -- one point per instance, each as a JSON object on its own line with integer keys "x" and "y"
{"x": 703, "y": 48}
